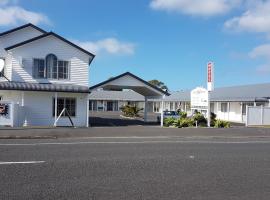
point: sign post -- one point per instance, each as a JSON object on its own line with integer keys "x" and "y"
{"x": 210, "y": 88}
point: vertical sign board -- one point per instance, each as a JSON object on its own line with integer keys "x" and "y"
{"x": 210, "y": 86}
{"x": 199, "y": 99}
{"x": 210, "y": 76}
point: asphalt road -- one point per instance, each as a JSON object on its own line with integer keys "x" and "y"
{"x": 136, "y": 168}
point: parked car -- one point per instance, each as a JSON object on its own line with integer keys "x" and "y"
{"x": 168, "y": 114}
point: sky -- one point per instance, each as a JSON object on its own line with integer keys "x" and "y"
{"x": 168, "y": 40}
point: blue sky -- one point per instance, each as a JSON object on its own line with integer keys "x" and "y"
{"x": 169, "y": 40}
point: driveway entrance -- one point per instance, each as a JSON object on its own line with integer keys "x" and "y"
{"x": 98, "y": 119}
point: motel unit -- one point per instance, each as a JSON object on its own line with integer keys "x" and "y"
{"x": 228, "y": 103}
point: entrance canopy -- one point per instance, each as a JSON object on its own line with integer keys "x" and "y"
{"x": 130, "y": 81}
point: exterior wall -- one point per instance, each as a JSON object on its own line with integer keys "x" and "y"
{"x": 38, "y": 109}
{"x": 22, "y": 71}
{"x": 11, "y": 39}
{"x": 17, "y": 37}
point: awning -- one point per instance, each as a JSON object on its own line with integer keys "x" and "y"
{"x": 43, "y": 87}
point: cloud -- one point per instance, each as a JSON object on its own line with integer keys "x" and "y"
{"x": 263, "y": 69}
{"x": 261, "y": 51}
{"x": 11, "y": 14}
{"x": 109, "y": 46}
{"x": 196, "y": 7}
{"x": 256, "y": 18}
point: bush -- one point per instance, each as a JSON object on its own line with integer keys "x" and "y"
{"x": 201, "y": 120}
{"x": 184, "y": 122}
{"x": 222, "y": 124}
{"x": 213, "y": 119}
{"x": 169, "y": 122}
{"x": 130, "y": 111}
{"x": 183, "y": 114}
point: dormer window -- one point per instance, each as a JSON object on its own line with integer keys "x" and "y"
{"x": 50, "y": 68}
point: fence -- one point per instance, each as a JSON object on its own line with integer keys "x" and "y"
{"x": 258, "y": 116}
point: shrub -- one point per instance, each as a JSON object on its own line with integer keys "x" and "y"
{"x": 222, "y": 124}
{"x": 183, "y": 114}
{"x": 169, "y": 122}
{"x": 184, "y": 122}
{"x": 130, "y": 111}
{"x": 201, "y": 120}
{"x": 213, "y": 119}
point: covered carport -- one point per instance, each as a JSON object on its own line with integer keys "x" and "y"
{"x": 132, "y": 82}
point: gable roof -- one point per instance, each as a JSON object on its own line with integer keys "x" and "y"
{"x": 46, "y": 35}
{"x": 22, "y": 27}
{"x": 132, "y": 75}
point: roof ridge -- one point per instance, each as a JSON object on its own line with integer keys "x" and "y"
{"x": 22, "y": 27}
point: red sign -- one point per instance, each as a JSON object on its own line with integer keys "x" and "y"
{"x": 209, "y": 72}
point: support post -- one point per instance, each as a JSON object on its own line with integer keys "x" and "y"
{"x": 55, "y": 108}
{"x": 87, "y": 111}
{"x": 25, "y": 123}
{"x": 161, "y": 111}
{"x": 145, "y": 109}
{"x": 229, "y": 110}
{"x": 241, "y": 108}
{"x": 262, "y": 113}
{"x": 209, "y": 111}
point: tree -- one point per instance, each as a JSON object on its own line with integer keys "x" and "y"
{"x": 158, "y": 84}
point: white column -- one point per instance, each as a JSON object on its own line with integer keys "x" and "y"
{"x": 241, "y": 110}
{"x": 255, "y": 104}
{"x": 217, "y": 110}
{"x": 55, "y": 107}
{"x": 161, "y": 111}
{"x": 229, "y": 108}
{"x": 87, "y": 111}
{"x": 209, "y": 111}
{"x": 25, "y": 123}
{"x": 22, "y": 103}
{"x": 145, "y": 109}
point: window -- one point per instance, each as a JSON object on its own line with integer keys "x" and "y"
{"x": 62, "y": 69}
{"x": 68, "y": 103}
{"x": 51, "y": 68}
{"x": 224, "y": 107}
{"x": 244, "y": 107}
{"x": 39, "y": 68}
{"x": 2, "y": 73}
{"x": 51, "y": 65}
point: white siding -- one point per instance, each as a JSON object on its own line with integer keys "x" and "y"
{"x": 79, "y": 61}
{"x": 39, "y": 107}
{"x": 17, "y": 37}
{"x": 11, "y": 39}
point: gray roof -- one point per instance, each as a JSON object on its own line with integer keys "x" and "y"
{"x": 256, "y": 92}
{"x": 44, "y": 87}
{"x": 245, "y": 93}
{"x": 128, "y": 95}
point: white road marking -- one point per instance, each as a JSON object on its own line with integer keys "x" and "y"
{"x": 138, "y": 142}
{"x": 25, "y": 162}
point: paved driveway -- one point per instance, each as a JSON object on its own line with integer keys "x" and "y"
{"x": 115, "y": 119}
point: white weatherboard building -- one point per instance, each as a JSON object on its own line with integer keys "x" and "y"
{"x": 43, "y": 74}
{"x": 228, "y": 103}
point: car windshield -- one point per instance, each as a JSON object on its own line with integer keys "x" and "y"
{"x": 170, "y": 113}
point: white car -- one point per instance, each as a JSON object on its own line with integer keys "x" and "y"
{"x": 169, "y": 114}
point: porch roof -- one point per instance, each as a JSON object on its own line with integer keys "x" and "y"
{"x": 132, "y": 82}
{"x": 43, "y": 87}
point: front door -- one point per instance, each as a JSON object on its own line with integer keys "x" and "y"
{"x": 109, "y": 106}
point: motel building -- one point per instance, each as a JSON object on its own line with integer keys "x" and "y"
{"x": 44, "y": 81}
{"x": 228, "y": 103}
